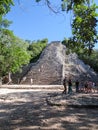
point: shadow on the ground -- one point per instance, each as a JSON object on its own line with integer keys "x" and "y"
{"x": 29, "y": 111}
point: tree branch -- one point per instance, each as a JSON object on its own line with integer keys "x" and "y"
{"x": 50, "y": 7}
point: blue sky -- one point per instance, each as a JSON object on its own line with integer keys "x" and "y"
{"x": 33, "y": 21}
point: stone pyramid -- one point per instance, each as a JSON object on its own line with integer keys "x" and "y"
{"x": 53, "y": 65}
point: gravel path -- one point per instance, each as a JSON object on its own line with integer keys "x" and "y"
{"x": 28, "y": 110}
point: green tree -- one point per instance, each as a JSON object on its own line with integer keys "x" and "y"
{"x": 4, "y": 23}
{"x": 84, "y": 27}
{"x": 13, "y": 53}
{"x": 92, "y": 60}
{"x": 5, "y": 6}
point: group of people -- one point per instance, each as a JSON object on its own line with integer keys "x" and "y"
{"x": 87, "y": 86}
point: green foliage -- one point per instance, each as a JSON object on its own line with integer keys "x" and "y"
{"x": 36, "y": 49}
{"x": 13, "y": 53}
{"x": 73, "y": 46}
{"x": 68, "y": 5}
{"x": 84, "y": 27}
{"x": 5, "y": 6}
{"x": 92, "y": 60}
{"x": 4, "y": 23}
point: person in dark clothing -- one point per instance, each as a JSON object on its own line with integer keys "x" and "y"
{"x": 77, "y": 86}
{"x": 86, "y": 87}
{"x": 65, "y": 86}
{"x": 69, "y": 86}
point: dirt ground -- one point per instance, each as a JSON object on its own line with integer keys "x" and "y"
{"x": 28, "y": 110}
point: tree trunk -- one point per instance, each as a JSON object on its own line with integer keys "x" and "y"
{"x": 9, "y": 78}
{"x": 0, "y": 80}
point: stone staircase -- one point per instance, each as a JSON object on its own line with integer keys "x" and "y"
{"x": 43, "y": 74}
